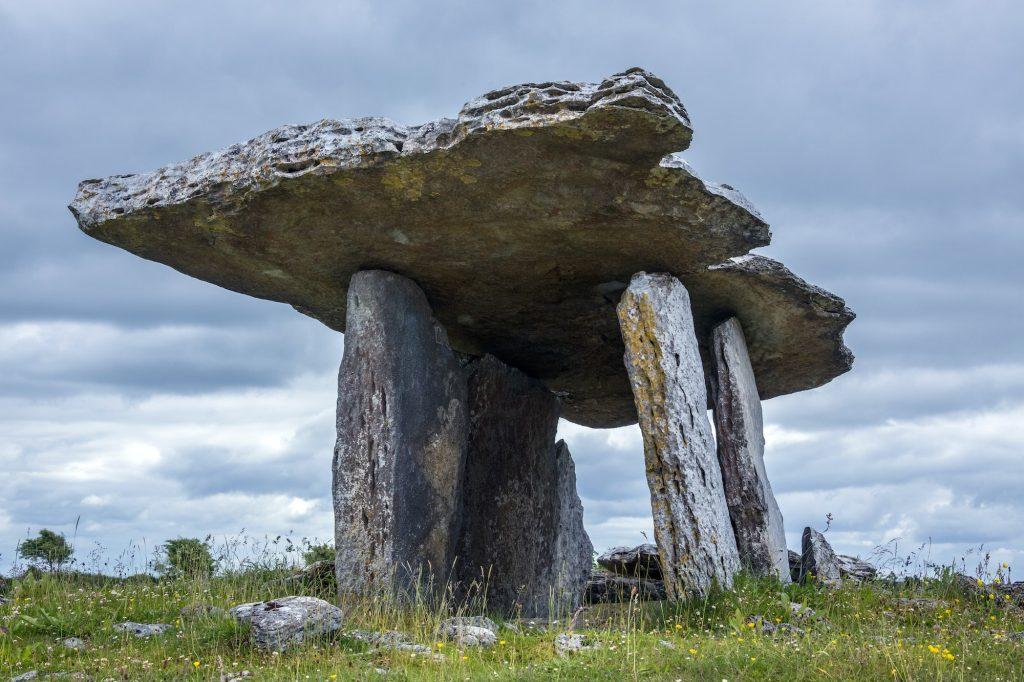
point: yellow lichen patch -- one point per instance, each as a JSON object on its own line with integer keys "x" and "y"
{"x": 405, "y": 181}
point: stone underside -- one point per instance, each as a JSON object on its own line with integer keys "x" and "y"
{"x": 739, "y": 430}
{"x": 692, "y": 527}
{"x": 442, "y": 462}
{"x": 522, "y": 220}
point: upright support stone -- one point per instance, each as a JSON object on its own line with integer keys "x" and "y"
{"x": 523, "y": 532}
{"x": 401, "y": 448}
{"x": 739, "y": 425}
{"x": 691, "y": 520}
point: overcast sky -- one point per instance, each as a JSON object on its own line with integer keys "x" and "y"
{"x": 883, "y": 141}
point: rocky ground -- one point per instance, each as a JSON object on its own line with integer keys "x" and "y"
{"x": 271, "y": 625}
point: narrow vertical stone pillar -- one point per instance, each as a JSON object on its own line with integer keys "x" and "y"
{"x": 739, "y": 425}
{"x": 523, "y": 535}
{"x": 401, "y": 448}
{"x": 691, "y": 520}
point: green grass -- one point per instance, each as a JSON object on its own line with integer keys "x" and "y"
{"x": 858, "y": 632}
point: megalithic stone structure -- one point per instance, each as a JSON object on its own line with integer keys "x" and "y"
{"x": 402, "y": 433}
{"x": 739, "y": 426}
{"x": 523, "y": 537}
{"x": 691, "y": 520}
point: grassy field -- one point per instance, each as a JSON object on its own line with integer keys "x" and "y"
{"x": 915, "y": 630}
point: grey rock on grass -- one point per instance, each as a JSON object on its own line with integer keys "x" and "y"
{"x": 817, "y": 560}
{"x": 279, "y": 624}
{"x": 142, "y": 630}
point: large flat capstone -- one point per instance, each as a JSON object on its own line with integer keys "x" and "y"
{"x": 522, "y": 219}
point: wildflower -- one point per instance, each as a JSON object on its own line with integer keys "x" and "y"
{"x": 195, "y": 663}
{"x": 932, "y": 648}
{"x": 439, "y": 645}
{"x": 501, "y": 642}
{"x": 465, "y": 658}
{"x": 753, "y": 659}
{"x": 980, "y": 583}
{"x": 750, "y": 625}
{"x": 678, "y": 626}
{"x": 334, "y": 676}
{"x": 693, "y": 652}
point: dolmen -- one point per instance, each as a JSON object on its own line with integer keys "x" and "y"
{"x": 545, "y": 254}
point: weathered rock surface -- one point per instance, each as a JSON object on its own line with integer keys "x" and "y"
{"x": 793, "y": 329}
{"x": 523, "y": 534}
{"x": 641, "y": 561}
{"x": 282, "y": 623}
{"x": 691, "y": 520}
{"x": 856, "y": 569}
{"x": 818, "y": 560}
{"x": 73, "y": 643}
{"x": 522, "y": 219}
{"x": 401, "y": 449}
{"x": 739, "y": 426}
{"x": 607, "y": 588}
{"x": 142, "y": 630}
{"x": 469, "y": 631}
{"x": 570, "y": 643}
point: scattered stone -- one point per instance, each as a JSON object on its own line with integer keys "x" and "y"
{"x": 471, "y": 621}
{"x": 818, "y": 562}
{"x": 801, "y": 612}
{"x": 665, "y": 644}
{"x": 523, "y": 540}
{"x": 24, "y": 677}
{"x": 739, "y": 429}
{"x": 391, "y": 639}
{"x": 73, "y": 643}
{"x": 235, "y": 676}
{"x": 691, "y": 519}
{"x": 199, "y": 611}
{"x": 281, "y": 623}
{"x": 470, "y": 630}
{"x": 401, "y": 448}
{"x": 569, "y": 643}
{"x": 469, "y": 635}
{"x": 142, "y": 630}
{"x": 607, "y": 588}
{"x": 641, "y": 561}
{"x": 918, "y": 603}
{"x": 856, "y": 569}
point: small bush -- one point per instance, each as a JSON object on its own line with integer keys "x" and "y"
{"x": 185, "y": 558}
{"x": 48, "y": 548}
{"x": 315, "y": 553}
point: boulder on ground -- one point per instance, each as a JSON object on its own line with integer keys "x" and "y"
{"x": 641, "y": 561}
{"x": 142, "y": 630}
{"x": 855, "y": 569}
{"x": 470, "y": 631}
{"x": 282, "y": 623}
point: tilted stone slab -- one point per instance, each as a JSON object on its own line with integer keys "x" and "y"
{"x": 402, "y": 434}
{"x": 523, "y": 534}
{"x": 691, "y": 520}
{"x": 522, "y": 219}
{"x": 739, "y": 427}
{"x": 818, "y": 562}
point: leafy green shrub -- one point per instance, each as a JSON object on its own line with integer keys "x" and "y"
{"x": 185, "y": 558}
{"x": 315, "y": 553}
{"x": 48, "y": 548}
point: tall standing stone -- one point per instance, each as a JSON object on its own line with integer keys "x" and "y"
{"x": 756, "y": 518}
{"x": 818, "y": 562}
{"x": 401, "y": 448}
{"x": 523, "y": 532}
{"x": 691, "y": 520}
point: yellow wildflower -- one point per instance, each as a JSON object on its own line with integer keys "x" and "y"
{"x": 195, "y": 663}
{"x": 693, "y": 652}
